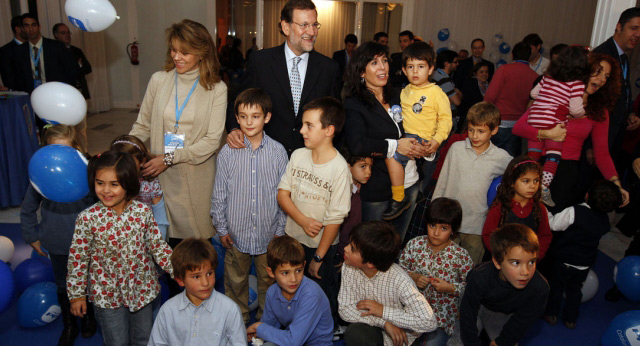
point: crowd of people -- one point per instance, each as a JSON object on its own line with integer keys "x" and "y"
{"x": 324, "y": 165}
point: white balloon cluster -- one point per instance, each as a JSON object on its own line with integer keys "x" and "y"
{"x": 90, "y": 15}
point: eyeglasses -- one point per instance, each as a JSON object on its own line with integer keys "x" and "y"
{"x": 305, "y": 26}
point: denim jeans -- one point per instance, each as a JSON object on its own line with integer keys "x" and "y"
{"x": 59, "y": 264}
{"x": 121, "y": 327}
{"x": 372, "y": 211}
{"x": 437, "y": 337}
{"x": 506, "y": 140}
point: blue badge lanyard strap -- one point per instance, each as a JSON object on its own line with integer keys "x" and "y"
{"x": 186, "y": 100}
{"x": 36, "y": 61}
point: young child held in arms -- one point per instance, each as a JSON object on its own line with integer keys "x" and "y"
{"x": 111, "y": 252}
{"x": 518, "y": 201}
{"x": 580, "y": 228}
{"x": 150, "y": 190}
{"x": 297, "y": 311}
{"x": 506, "y": 296}
{"x": 377, "y": 297}
{"x": 247, "y": 224}
{"x": 439, "y": 266}
{"x": 360, "y": 168}
{"x": 468, "y": 170}
{"x": 199, "y": 315}
{"x": 558, "y": 95}
{"x": 54, "y": 235}
{"x": 426, "y": 116}
{"x": 315, "y": 190}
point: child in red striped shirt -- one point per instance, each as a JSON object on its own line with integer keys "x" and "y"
{"x": 559, "y": 95}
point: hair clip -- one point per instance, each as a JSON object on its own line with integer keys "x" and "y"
{"x": 127, "y": 142}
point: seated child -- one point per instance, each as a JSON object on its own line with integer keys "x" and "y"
{"x": 575, "y": 251}
{"x": 245, "y": 227}
{"x": 297, "y": 311}
{"x": 506, "y": 296}
{"x": 518, "y": 201}
{"x": 377, "y": 297}
{"x": 468, "y": 170}
{"x": 426, "y": 116}
{"x": 199, "y": 315}
{"x": 439, "y": 266}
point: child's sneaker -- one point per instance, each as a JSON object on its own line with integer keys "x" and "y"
{"x": 395, "y": 209}
{"x": 546, "y": 197}
{"x": 552, "y": 320}
{"x": 570, "y": 325}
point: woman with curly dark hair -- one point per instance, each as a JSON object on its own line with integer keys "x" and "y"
{"x": 601, "y": 92}
{"x": 518, "y": 201}
{"x": 370, "y": 130}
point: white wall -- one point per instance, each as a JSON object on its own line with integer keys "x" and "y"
{"x": 145, "y": 21}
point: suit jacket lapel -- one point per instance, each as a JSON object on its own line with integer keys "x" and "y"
{"x": 281, "y": 73}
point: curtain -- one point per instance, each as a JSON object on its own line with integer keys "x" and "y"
{"x": 92, "y": 44}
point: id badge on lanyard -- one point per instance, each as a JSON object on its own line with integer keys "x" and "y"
{"x": 175, "y": 140}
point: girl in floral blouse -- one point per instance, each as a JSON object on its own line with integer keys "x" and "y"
{"x": 111, "y": 253}
{"x": 150, "y": 190}
{"x": 439, "y": 266}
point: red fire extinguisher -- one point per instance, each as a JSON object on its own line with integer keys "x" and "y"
{"x": 133, "y": 52}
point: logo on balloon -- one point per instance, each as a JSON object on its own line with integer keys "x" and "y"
{"x": 77, "y": 23}
{"x": 52, "y": 313}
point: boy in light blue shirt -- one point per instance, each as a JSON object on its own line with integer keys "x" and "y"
{"x": 199, "y": 315}
{"x": 297, "y": 311}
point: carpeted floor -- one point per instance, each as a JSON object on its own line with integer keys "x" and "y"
{"x": 595, "y": 314}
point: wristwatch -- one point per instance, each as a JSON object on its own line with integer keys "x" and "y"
{"x": 317, "y": 258}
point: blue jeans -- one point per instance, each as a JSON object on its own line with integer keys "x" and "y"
{"x": 121, "y": 327}
{"x": 437, "y": 337}
{"x": 404, "y": 159}
{"x": 506, "y": 140}
{"x": 372, "y": 211}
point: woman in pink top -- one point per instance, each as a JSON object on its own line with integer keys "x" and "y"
{"x": 601, "y": 94}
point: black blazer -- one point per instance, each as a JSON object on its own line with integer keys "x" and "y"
{"x": 81, "y": 81}
{"x": 6, "y": 54}
{"x": 340, "y": 56}
{"x": 618, "y": 118}
{"x": 365, "y": 134}
{"x": 58, "y": 65}
{"x": 397, "y": 78}
{"x": 471, "y": 95}
{"x": 464, "y": 71}
{"x": 267, "y": 69}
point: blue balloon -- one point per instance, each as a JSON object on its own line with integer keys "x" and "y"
{"x": 38, "y": 305}
{"x": 443, "y": 34}
{"x": 504, "y": 48}
{"x": 500, "y": 63}
{"x": 34, "y": 254}
{"x": 32, "y": 271}
{"x": 7, "y": 286}
{"x": 59, "y": 173}
{"x": 493, "y": 190}
{"x": 221, "y": 251}
{"x": 441, "y": 49}
{"x": 628, "y": 277}
{"x": 623, "y": 330}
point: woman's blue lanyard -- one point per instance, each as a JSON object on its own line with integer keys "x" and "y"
{"x": 35, "y": 61}
{"x": 180, "y": 109}
{"x": 539, "y": 63}
{"x": 522, "y": 61}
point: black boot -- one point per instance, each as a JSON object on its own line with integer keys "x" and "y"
{"x": 88, "y": 322}
{"x": 69, "y": 322}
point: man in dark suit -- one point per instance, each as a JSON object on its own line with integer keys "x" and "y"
{"x": 397, "y": 78}
{"x": 624, "y": 39}
{"x": 466, "y": 65}
{"x": 381, "y": 38}
{"x": 342, "y": 56}
{"x": 293, "y": 74}
{"x": 6, "y": 51}
{"x": 62, "y": 33}
{"x": 40, "y": 60}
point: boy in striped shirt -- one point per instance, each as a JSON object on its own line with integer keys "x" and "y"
{"x": 244, "y": 208}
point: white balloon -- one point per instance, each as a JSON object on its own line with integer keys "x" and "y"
{"x": 590, "y": 286}
{"x": 90, "y": 15}
{"x": 6, "y": 249}
{"x": 59, "y": 103}
{"x": 495, "y": 56}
